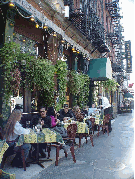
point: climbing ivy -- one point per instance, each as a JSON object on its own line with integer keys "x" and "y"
{"x": 61, "y": 72}
{"x": 79, "y": 87}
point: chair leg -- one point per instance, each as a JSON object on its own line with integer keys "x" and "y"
{"x": 72, "y": 152}
{"x": 80, "y": 137}
{"x": 57, "y": 155}
{"x": 23, "y": 158}
{"x": 107, "y": 130}
{"x": 98, "y": 130}
{"x": 86, "y": 139}
{"x": 91, "y": 138}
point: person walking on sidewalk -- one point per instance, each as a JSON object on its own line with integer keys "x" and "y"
{"x": 105, "y": 106}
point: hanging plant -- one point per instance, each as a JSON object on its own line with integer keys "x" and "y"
{"x": 15, "y": 83}
{"x": 35, "y": 72}
{"x": 110, "y": 85}
{"x": 79, "y": 87}
{"x": 9, "y": 55}
{"x": 39, "y": 76}
{"x": 61, "y": 71}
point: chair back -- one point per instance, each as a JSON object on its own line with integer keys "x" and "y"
{"x": 92, "y": 120}
{"x": 71, "y": 130}
{"x": 106, "y": 118}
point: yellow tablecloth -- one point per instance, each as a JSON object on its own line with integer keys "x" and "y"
{"x": 81, "y": 127}
{"x": 46, "y": 136}
{"x": 98, "y": 120}
{"x": 3, "y": 147}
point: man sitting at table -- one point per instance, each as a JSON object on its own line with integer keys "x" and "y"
{"x": 46, "y": 123}
{"x": 65, "y": 113}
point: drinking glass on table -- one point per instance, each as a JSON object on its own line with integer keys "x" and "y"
{"x": 27, "y": 124}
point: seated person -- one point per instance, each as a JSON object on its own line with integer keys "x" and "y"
{"x": 46, "y": 123}
{"x": 65, "y": 113}
{"x": 12, "y": 131}
{"x": 45, "y": 120}
{"x": 85, "y": 111}
{"x": 51, "y": 112}
{"x": 92, "y": 110}
{"x": 78, "y": 114}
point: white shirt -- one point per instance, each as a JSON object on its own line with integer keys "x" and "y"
{"x": 18, "y": 130}
{"x": 105, "y": 103}
{"x": 92, "y": 110}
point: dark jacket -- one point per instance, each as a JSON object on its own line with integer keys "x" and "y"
{"x": 63, "y": 114}
{"x": 47, "y": 121}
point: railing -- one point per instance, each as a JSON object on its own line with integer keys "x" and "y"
{"x": 88, "y": 23}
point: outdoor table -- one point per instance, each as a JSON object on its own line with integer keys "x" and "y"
{"x": 3, "y": 147}
{"x": 45, "y": 136}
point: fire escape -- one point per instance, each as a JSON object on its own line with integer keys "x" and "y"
{"x": 84, "y": 18}
{"x": 117, "y": 40}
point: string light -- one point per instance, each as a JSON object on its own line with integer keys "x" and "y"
{"x": 54, "y": 34}
{"x": 45, "y": 27}
{"x": 11, "y": 4}
{"x": 73, "y": 49}
{"x": 37, "y": 26}
{"x": 32, "y": 18}
{"x": 63, "y": 41}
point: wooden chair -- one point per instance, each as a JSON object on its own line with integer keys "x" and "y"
{"x": 92, "y": 121}
{"x": 71, "y": 131}
{"x": 104, "y": 125}
{"x": 86, "y": 135}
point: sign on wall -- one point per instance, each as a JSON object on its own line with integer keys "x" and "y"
{"x": 128, "y": 56}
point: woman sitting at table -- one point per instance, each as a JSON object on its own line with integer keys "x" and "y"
{"x": 12, "y": 131}
{"x": 54, "y": 121}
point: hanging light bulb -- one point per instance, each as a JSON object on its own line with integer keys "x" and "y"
{"x": 54, "y": 34}
{"x": 45, "y": 27}
{"x": 37, "y": 26}
{"x": 73, "y": 49}
{"x": 32, "y": 18}
{"x": 11, "y": 4}
{"x": 63, "y": 41}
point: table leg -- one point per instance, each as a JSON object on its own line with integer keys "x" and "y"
{"x": 37, "y": 161}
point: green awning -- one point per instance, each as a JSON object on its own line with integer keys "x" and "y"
{"x": 100, "y": 69}
{"x": 128, "y": 95}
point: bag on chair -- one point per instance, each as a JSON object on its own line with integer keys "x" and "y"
{"x": 61, "y": 130}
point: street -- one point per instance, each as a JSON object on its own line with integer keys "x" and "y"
{"x": 111, "y": 157}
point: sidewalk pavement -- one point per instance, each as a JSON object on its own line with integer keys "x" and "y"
{"x": 35, "y": 169}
